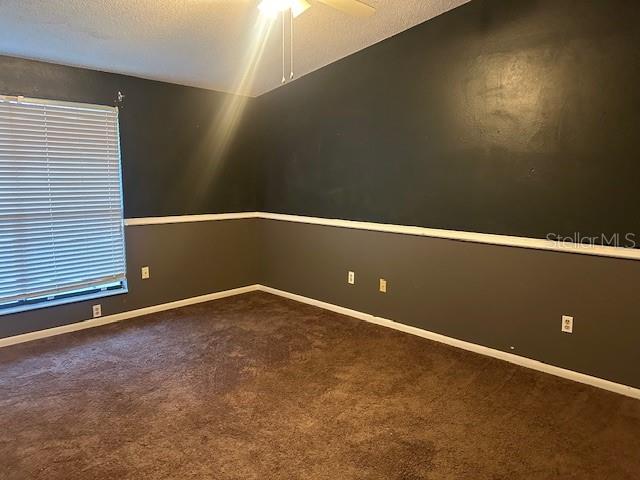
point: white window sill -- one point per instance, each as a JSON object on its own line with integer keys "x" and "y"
{"x": 64, "y": 301}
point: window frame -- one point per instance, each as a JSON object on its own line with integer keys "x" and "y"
{"x": 89, "y": 292}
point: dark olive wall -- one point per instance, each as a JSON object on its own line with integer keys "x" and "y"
{"x": 170, "y": 135}
{"x": 508, "y": 117}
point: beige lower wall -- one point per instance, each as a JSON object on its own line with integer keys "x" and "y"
{"x": 506, "y": 298}
{"x": 185, "y": 260}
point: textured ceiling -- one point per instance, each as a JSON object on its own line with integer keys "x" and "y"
{"x": 195, "y": 42}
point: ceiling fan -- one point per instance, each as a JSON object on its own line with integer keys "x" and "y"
{"x": 352, "y": 7}
{"x": 295, "y": 8}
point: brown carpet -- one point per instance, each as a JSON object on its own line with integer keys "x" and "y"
{"x": 258, "y": 387}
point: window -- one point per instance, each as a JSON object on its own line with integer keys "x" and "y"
{"x": 61, "y": 224}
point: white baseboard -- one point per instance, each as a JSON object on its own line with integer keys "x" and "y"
{"x": 96, "y": 322}
{"x": 472, "y": 347}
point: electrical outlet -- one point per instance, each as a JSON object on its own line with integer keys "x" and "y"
{"x": 145, "y": 272}
{"x": 383, "y": 285}
{"x": 567, "y": 324}
{"x": 97, "y": 311}
{"x": 351, "y": 278}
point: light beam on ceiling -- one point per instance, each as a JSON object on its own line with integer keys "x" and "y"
{"x": 224, "y": 126}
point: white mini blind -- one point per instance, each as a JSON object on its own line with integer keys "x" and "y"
{"x": 61, "y": 219}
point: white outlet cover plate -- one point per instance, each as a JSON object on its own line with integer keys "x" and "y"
{"x": 383, "y": 285}
{"x": 567, "y": 324}
{"x": 145, "y": 272}
{"x": 351, "y": 278}
{"x": 97, "y": 311}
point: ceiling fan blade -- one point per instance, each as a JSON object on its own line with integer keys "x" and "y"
{"x": 352, "y": 7}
